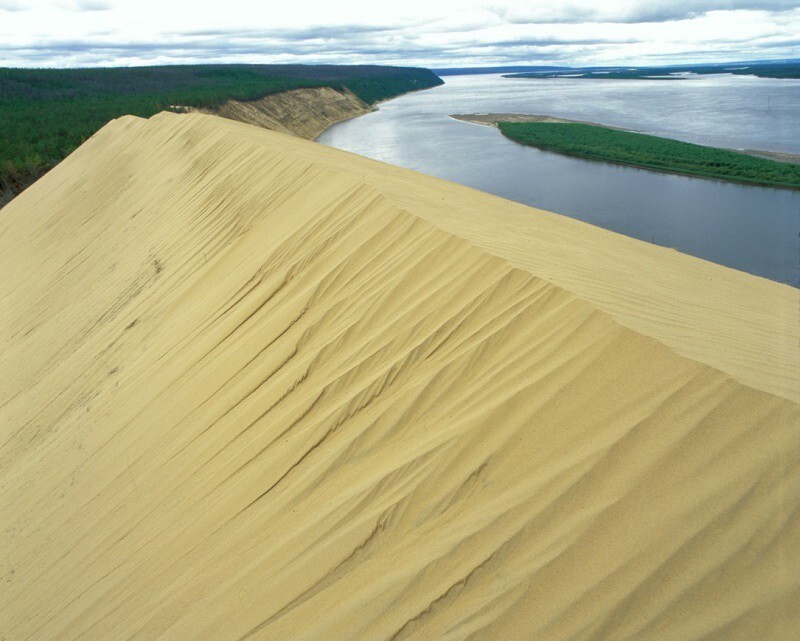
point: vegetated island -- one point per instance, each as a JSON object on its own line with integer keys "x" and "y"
{"x": 609, "y": 144}
{"x": 777, "y": 69}
{"x": 45, "y": 114}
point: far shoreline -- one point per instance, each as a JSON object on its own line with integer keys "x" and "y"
{"x": 491, "y": 120}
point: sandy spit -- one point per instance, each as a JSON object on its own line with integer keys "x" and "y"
{"x": 257, "y": 388}
{"x": 493, "y": 118}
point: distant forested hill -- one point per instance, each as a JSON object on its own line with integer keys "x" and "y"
{"x": 774, "y": 69}
{"x": 473, "y": 71}
{"x": 46, "y": 113}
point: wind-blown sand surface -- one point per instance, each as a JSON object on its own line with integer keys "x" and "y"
{"x": 257, "y": 388}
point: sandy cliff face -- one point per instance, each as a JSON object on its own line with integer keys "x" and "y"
{"x": 256, "y": 388}
{"x": 301, "y": 112}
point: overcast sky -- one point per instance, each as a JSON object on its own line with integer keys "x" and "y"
{"x": 432, "y": 33}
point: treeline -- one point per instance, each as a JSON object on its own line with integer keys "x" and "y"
{"x": 46, "y": 113}
{"x": 785, "y": 69}
{"x": 652, "y": 152}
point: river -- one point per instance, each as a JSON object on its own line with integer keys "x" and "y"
{"x": 753, "y": 229}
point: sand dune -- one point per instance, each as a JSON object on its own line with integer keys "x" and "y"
{"x": 254, "y": 388}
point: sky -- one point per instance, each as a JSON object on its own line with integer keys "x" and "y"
{"x": 429, "y": 33}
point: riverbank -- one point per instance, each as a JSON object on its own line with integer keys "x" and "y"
{"x": 304, "y": 113}
{"x": 594, "y": 141}
{"x": 48, "y": 113}
{"x": 760, "y": 224}
{"x": 492, "y": 119}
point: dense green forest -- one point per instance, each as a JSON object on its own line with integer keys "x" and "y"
{"x": 781, "y": 69}
{"x": 46, "y": 113}
{"x": 652, "y": 152}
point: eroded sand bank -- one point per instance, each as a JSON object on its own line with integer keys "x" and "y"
{"x": 257, "y": 388}
{"x": 300, "y": 112}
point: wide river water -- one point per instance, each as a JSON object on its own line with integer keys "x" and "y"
{"x": 754, "y": 229}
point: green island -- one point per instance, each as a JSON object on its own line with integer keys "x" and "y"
{"x": 652, "y": 152}
{"x": 45, "y": 114}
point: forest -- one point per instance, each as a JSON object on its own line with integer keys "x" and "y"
{"x": 47, "y": 113}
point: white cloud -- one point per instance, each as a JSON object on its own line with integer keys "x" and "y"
{"x": 91, "y": 5}
{"x": 628, "y": 11}
{"x": 12, "y": 5}
{"x": 422, "y": 32}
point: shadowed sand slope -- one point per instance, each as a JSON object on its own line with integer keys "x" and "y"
{"x": 254, "y": 388}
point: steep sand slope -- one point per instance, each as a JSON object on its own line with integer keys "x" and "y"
{"x": 254, "y": 388}
{"x": 301, "y": 112}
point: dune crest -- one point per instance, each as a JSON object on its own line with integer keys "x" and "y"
{"x": 255, "y": 388}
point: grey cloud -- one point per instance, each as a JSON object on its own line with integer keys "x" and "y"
{"x": 214, "y": 47}
{"x": 555, "y": 42}
{"x": 783, "y": 42}
{"x": 231, "y": 47}
{"x": 12, "y": 5}
{"x": 91, "y": 5}
{"x": 306, "y": 33}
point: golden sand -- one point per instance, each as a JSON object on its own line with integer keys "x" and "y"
{"x": 255, "y": 388}
{"x": 305, "y": 113}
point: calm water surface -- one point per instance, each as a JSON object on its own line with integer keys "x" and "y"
{"x": 754, "y": 229}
